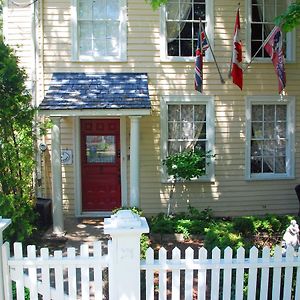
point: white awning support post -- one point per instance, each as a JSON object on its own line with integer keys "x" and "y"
{"x": 134, "y": 161}
{"x": 57, "y": 207}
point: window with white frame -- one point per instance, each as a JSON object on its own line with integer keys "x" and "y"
{"x": 180, "y": 27}
{"x": 187, "y": 123}
{"x": 261, "y": 18}
{"x": 99, "y": 30}
{"x": 270, "y": 137}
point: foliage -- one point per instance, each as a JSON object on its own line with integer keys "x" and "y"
{"x": 221, "y": 232}
{"x": 156, "y": 4}
{"x": 14, "y": 292}
{"x": 16, "y": 145}
{"x": 22, "y": 217}
{"x": 186, "y": 164}
{"x": 290, "y": 18}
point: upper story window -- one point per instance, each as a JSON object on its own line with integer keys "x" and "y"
{"x": 180, "y": 27}
{"x": 187, "y": 123}
{"x": 261, "y": 22}
{"x": 99, "y": 30}
{"x": 270, "y": 138}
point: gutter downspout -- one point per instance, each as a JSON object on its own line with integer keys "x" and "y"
{"x": 34, "y": 93}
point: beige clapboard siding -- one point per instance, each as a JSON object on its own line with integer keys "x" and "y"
{"x": 230, "y": 193}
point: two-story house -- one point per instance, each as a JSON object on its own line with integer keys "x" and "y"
{"x": 117, "y": 80}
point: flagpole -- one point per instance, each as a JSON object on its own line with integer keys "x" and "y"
{"x": 262, "y": 45}
{"x": 230, "y": 68}
{"x": 212, "y": 52}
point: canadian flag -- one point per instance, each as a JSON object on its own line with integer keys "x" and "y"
{"x": 236, "y": 68}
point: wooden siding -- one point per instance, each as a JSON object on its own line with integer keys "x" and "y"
{"x": 230, "y": 194}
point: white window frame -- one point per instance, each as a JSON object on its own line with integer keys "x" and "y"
{"x": 122, "y": 32}
{"x": 290, "y": 136}
{"x": 290, "y": 40}
{"x": 209, "y": 9}
{"x": 210, "y": 130}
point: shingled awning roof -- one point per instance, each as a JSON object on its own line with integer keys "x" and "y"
{"x": 71, "y": 92}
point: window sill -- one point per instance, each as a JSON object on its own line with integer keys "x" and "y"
{"x": 177, "y": 59}
{"x": 192, "y": 181}
{"x": 269, "y": 177}
{"x": 102, "y": 59}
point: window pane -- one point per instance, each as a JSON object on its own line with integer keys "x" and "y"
{"x": 187, "y": 113}
{"x": 269, "y": 130}
{"x": 99, "y": 11}
{"x": 174, "y": 113}
{"x": 200, "y": 112}
{"x": 100, "y": 149}
{"x": 187, "y": 130}
{"x": 113, "y": 9}
{"x": 280, "y": 130}
{"x": 257, "y": 129}
{"x": 173, "y": 48}
{"x": 256, "y": 148}
{"x": 280, "y": 165}
{"x": 256, "y": 165}
{"x": 281, "y": 112}
{"x": 86, "y": 30}
{"x": 174, "y": 130}
{"x": 269, "y": 112}
{"x": 199, "y": 130}
{"x": 257, "y": 113}
{"x": 186, "y": 48}
{"x": 85, "y": 9}
{"x": 268, "y": 165}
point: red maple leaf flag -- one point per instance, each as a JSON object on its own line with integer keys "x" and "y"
{"x": 236, "y": 68}
{"x": 274, "y": 48}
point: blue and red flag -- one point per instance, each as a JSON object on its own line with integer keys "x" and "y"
{"x": 202, "y": 46}
{"x": 274, "y": 48}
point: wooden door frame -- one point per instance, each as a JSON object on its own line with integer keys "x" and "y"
{"x": 77, "y": 167}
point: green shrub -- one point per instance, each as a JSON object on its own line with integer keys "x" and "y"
{"x": 22, "y": 215}
{"x": 162, "y": 224}
{"x": 244, "y": 225}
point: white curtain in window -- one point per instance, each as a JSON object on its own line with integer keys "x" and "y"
{"x": 177, "y": 11}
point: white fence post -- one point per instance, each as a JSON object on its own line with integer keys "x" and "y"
{"x": 125, "y": 228}
{"x": 4, "y": 223}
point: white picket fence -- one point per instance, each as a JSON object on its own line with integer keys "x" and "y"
{"x": 121, "y": 275}
{"x": 268, "y": 276}
{"x": 81, "y": 276}
{"x": 57, "y": 276}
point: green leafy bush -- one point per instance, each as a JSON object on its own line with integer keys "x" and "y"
{"x": 186, "y": 164}
{"x": 22, "y": 215}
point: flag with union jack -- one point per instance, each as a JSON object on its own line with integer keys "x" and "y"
{"x": 274, "y": 48}
{"x": 202, "y": 46}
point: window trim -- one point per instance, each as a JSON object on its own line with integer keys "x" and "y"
{"x": 209, "y": 6}
{"x": 210, "y": 127}
{"x": 123, "y": 34}
{"x": 290, "y": 128}
{"x": 291, "y": 40}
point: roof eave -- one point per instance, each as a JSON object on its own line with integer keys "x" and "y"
{"x": 95, "y": 112}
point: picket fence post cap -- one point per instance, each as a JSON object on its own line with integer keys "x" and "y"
{"x": 4, "y": 223}
{"x": 125, "y": 220}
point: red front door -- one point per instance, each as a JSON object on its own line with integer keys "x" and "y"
{"x": 100, "y": 164}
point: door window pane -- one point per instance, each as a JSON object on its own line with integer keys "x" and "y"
{"x": 100, "y": 149}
